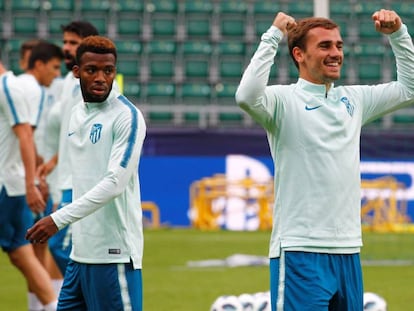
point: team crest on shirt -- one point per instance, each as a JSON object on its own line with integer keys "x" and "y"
{"x": 349, "y": 107}
{"x": 95, "y": 133}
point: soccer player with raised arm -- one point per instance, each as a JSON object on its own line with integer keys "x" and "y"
{"x": 105, "y": 138}
{"x": 313, "y": 129}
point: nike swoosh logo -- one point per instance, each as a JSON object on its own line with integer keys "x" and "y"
{"x": 312, "y": 108}
{"x": 71, "y": 133}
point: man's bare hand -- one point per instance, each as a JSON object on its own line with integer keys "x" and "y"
{"x": 284, "y": 22}
{"x": 42, "y": 230}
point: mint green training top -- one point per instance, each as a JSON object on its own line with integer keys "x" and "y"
{"x": 314, "y": 138}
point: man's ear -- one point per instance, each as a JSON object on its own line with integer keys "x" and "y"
{"x": 75, "y": 70}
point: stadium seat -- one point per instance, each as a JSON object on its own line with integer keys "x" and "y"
{"x": 128, "y": 47}
{"x": 55, "y": 22}
{"x": 162, "y": 68}
{"x": 261, "y": 26}
{"x": 266, "y": 8}
{"x": 132, "y": 90}
{"x": 129, "y": 25}
{"x": 161, "y": 6}
{"x": 232, "y": 27}
{"x": 61, "y": 5}
{"x": 300, "y": 9}
{"x": 129, "y": 67}
{"x": 129, "y": 6}
{"x": 366, "y": 30}
{"x": 196, "y": 93}
{"x": 24, "y": 5}
{"x": 25, "y": 25}
{"x": 163, "y": 26}
{"x": 231, "y": 48}
{"x": 197, "y": 48}
{"x": 197, "y": 26}
{"x": 232, "y": 6}
{"x": 198, "y": 6}
{"x": 161, "y": 95}
{"x": 99, "y": 21}
{"x": 369, "y": 72}
{"x": 161, "y": 47}
{"x": 231, "y": 67}
{"x": 95, "y": 5}
{"x": 367, "y": 49}
{"x": 196, "y": 68}
{"x": 399, "y": 119}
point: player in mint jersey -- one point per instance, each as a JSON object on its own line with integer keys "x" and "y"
{"x": 105, "y": 138}
{"x": 313, "y": 129}
{"x": 73, "y": 33}
{"x": 18, "y": 188}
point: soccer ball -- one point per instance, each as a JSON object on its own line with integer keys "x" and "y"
{"x": 262, "y": 301}
{"x": 374, "y": 302}
{"x": 227, "y": 303}
{"x": 247, "y": 301}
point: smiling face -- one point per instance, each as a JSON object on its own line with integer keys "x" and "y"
{"x": 96, "y": 73}
{"x": 321, "y": 60}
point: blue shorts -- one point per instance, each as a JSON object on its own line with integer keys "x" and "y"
{"x": 15, "y": 219}
{"x": 60, "y": 244}
{"x": 316, "y": 282}
{"x": 101, "y": 287}
{"x": 47, "y": 212}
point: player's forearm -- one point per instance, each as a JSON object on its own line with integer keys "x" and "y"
{"x": 403, "y": 48}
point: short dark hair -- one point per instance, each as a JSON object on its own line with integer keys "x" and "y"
{"x": 95, "y": 44}
{"x": 28, "y": 46}
{"x": 44, "y": 51}
{"x": 81, "y": 28}
{"x": 297, "y": 35}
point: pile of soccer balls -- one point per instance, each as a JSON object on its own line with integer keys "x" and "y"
{"x": 261, "y": 302}
{"x": 244, "y": 302}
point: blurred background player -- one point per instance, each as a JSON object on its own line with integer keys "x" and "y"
{"x": 42, "y": 63}
{"x": 73, "y": 33}
{"x": 106, "y": 134}
{"x": 19, "y": 189}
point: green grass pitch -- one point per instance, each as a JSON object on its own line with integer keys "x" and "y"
{"x": 169, "y": 284}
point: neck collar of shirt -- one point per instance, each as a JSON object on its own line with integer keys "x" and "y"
{"x": 313, "y": 87}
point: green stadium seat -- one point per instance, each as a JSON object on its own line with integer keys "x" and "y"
{"x": 24, "y": 5}
{"x": 198, "y": 27}
{"x": 196, "y": 93}
{"x": 161, "y": 47}
{"x": 267, "y": 8}
{"x": 128, "y": 67}
{"x": 225, "y": 93}
{"x": 162, "y": 6}
{"x": 369, "y": 73}
{"x": 163, "y": 26}
{"x": 196, "y": 68}
{"x": 162, "y": 68}
{"x": 132, "y": 89}
{"x": 25, "y": 25}
{"x": 232, "y": 6}
{"x": 129, "y": 25}
{"x": 95, "y": 5}
{"x": 367, "y": 8}
{"x": 198, "y": 6}
{"x": 231, "y": 68}
{"x": 61, "y": 5}
{"x": 300, "y": 8}
{"x": 231, "y": 48}
{"x": 369, "y": 49}
{"x": 399, "y": 119}
{"x": 129, "y": 6}
{"x": 99, "y": 21}
{"x": 55, "y": 23}
{"x": 128, "y": 47}
{"x": 197, "y": 47}
{"x": 232, "y": 27}
{"x": 160, "y": 93}
{"x": 366, "y": 30}
{"x": 261, "y": 26}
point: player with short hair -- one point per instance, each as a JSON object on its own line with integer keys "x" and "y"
{"x": 313, "y": 129}
{"x": 18, "y": 187}
{"x": 73, "y": 33}
{"x": 105, "y": 139}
